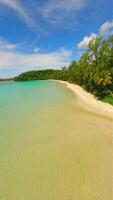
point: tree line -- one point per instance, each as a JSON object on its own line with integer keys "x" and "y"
{"x": 93, "y": 71}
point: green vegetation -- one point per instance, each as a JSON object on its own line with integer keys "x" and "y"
{"x": 94, "y": 70}
{"x": 38, "y": 75}
{"x": 108, "y": 100}
{"x": 6, "y": 79}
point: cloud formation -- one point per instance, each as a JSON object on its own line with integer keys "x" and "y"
{"x": 24, "y": 12}
{"x": 22, "y": 62}
{"x": 13, "y": 61}
{"x": 56, "y": 11}
{"x": 86, "y": 40}
{"x": 5, "y": 45}
{"x": 17, "y": 7}
{"x": 106, "y": 28}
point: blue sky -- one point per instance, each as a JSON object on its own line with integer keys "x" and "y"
{"x": 39, "y": 34}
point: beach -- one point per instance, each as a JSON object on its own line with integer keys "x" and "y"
{"x": 89, "y": 102}
{"x": 51, "y": 148}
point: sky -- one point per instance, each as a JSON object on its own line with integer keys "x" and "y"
{"x": 40, "y": 34}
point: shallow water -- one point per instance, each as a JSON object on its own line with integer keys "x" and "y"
{"x": 50, "y": 148}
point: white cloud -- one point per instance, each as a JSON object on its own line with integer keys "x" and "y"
{"x": 66, "y": 6}
{"x": 6, "y": 45}
{"x": 23, "y": 62}
{"x": 13, "y": 61}
{"x": 36, "y": 50}
{"x": 106, "y": 27}
{"x": 15, "y": 5}
{"x": 86, "y": 40}
{"x": 23, "y": 11}
{"x": 55, "y": 11}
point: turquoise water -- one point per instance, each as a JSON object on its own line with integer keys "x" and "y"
{"x": 50, "y": 148}
{"x": 29, "y": 107}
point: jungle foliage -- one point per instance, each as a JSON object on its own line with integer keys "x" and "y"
{"x": 94, "y": 70}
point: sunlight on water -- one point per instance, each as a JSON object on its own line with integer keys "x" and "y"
{"x": 51, "y": 149}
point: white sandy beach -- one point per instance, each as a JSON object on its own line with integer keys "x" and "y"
{"x": 89, "y": 102}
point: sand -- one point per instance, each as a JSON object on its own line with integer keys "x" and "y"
{"x": 51, "y": 148}
{"x": 89, "y": 102}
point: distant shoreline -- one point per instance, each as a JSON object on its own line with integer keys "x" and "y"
{"x": 89, "y": 102}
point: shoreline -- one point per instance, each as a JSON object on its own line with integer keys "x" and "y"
{"x": 89, "y": 102}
